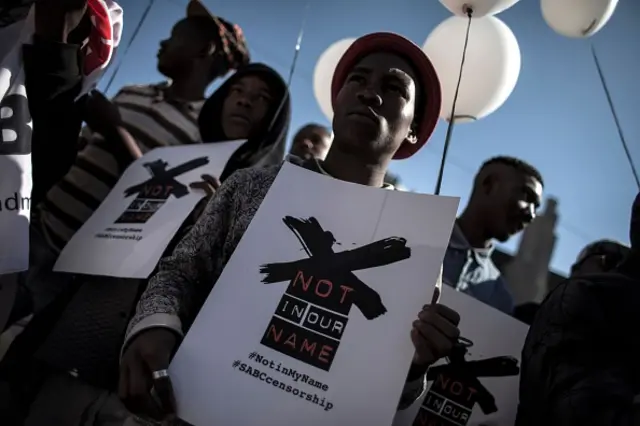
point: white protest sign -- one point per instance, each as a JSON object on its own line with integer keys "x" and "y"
{"x": 310, "y": 321}
{"x": 128, "y": 233}
{"x": 480, "y": 386}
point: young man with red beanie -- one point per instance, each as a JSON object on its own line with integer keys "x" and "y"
{"x": 386, "y": 99}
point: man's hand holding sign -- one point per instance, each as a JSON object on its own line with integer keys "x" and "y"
{"x": 208, "y": 184}
{"x": 146, "y": 388}
{"x": 434, "y": 333}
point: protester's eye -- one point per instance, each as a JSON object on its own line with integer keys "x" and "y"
{"x": 530, "y": 197}
{"x": 264, "y": 97}
{"x": 396, "y": 88}
{"x": 356, "y": 78}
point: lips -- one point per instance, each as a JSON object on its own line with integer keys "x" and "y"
{"x": 364, "y": 116}
{"x": 240, "y": 118}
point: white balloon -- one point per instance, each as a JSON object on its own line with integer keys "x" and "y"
{"x": 490, "y": 71}
{"x": 577, "y": 18}
{"x": 323, "y": 74}
{"x": 480, "y": 7}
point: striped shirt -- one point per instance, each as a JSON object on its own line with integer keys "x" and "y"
{"x": 152, "y": 120}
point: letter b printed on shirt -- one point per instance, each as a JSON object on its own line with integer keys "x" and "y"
{"x": 15, "y": 123}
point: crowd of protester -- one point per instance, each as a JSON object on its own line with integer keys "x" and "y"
{"x": 92, "y": 351}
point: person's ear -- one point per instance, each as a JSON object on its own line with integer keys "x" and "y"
{"x": 488, "y": 183}
{"x": 412, "y": 136}
{"x": 209, "y": 50}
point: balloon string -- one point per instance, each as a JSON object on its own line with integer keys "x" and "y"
{"x": 293, "y": 63}
{"x": 126, "y": 49}
{"x": 447, "y": 138}
{"x": 615, "y": 116}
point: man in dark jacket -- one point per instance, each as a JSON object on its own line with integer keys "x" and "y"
{"x": 53, "y": 80}
{"x": 580, "y": 359}
{"x": 60, "y": 64}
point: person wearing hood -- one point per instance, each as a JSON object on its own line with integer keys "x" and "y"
{"x": 201, "y": 48}
{"x": 580, "y": 358}
{"x": 386, "y": 98}
{"x": 253, "y": 104}
{"x": 71, "y": 348}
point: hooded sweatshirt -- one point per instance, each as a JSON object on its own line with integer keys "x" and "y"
{"x": 266, "y": 146}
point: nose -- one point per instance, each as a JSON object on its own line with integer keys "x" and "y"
{"x": 370, "y": 98}
{"x": 307, "y": 144}
{"x": 243, "y": 101}
{"x": 530, "y": 213}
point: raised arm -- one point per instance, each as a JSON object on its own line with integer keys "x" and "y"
{"x": 53, "y": 80}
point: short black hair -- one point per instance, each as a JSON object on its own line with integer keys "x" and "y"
{"x": 516, "y": 163}
{"x": 313, "y": 126}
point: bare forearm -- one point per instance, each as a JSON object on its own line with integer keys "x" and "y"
{"x": 128, "y": 142}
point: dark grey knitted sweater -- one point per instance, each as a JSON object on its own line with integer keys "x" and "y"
{"x": 183, "y": 281}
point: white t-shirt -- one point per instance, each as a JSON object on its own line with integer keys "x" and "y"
{"x": 16, "y": 125}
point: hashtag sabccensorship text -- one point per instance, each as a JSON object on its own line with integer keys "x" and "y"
{"x": 311, "y": 397}
{"x": 288, "y": 372}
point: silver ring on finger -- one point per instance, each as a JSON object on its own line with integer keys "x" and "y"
{"x": 160, "y": 374}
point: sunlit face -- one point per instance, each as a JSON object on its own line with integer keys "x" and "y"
{"x": 513, "y": 200}
{"x": 375, "y": 108}
{"x": 311, "y": 142}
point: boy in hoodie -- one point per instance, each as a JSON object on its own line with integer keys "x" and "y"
{"x": 202, "y": 47}
{"x": 72, "y": 347}
{"x": 386, "y": 98}
{"x": 255, "y": 91}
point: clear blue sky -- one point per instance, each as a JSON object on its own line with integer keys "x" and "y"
{"x": 557, "y": 118}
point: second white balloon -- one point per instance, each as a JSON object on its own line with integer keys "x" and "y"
{"x": 491, "y": 68}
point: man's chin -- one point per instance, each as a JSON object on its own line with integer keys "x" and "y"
{"x": 164, "y": 70}
{"x": 503, "y": 238}
{"x": 303, "y": 155}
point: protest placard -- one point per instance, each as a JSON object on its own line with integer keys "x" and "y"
{"x": 128, "y": 233}
{"x": 478, "y": 384}
{"x": 310, "y": 321}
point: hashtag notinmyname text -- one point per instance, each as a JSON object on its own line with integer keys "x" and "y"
{"x": 286, "y": 371}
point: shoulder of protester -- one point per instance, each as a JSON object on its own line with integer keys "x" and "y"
{"x": 587, "y": 299}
